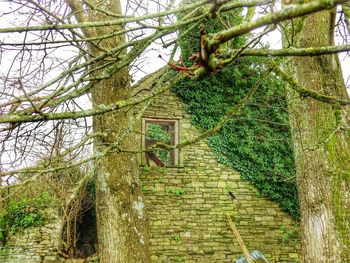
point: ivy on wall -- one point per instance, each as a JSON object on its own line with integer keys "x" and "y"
{"x": 257, "y": 142}
{"x": 23, "y": 213}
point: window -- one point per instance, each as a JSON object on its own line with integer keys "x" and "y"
{"x": 160, "y": 130}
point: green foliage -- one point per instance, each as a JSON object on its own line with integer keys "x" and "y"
{"x": 179, "y": 259}
{"x": 257, "y": 142}
{"x": 145, "y": 169}
{"x": 176, "y": 238}
{"x": 175, "y": 191}
{"x": 144, "y": 188}
{"x": 287, "y": 233}
{"x": 23, "y": 213}
{"x": 163, "y": 155}
{"x": 156, "y": 133}
{"x": 91, "y": 190}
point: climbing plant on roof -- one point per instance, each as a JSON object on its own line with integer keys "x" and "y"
{"x": 257, "y": 141}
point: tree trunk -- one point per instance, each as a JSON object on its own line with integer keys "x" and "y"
{"x": 321, "y": 144}
{"x": 122, "y": 224}
{"x": 121, "y": 219}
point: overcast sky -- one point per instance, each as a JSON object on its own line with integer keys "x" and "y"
{"x": 149, "y": 62}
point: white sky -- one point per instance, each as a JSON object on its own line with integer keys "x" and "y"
{"x": 151, "y": 61}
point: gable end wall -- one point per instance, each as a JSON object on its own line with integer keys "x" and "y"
{"x": 187, "y": 205}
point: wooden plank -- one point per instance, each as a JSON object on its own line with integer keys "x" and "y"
{"x": 239, "y": 239}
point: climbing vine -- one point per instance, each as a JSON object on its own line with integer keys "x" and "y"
{"x": 23, "y": 213}
{"x": 257, "y": 142}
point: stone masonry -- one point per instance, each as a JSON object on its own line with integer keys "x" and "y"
{"x": 187, "y": 205}
{"x": 35, "y": 244}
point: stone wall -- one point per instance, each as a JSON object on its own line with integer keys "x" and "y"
{"x": 187, "y": 205}
{"x": 35, "y": 244}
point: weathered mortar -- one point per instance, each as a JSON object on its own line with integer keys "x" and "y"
{"x": 35, "y": 244}
{"x": 187, "y": 205}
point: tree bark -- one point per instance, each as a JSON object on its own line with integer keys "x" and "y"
{"x": 122, "y": 223}
{"x": 321, "y": 144}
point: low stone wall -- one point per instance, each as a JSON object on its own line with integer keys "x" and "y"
{"x": 35, "y": 244}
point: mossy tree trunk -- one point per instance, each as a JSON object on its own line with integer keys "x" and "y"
{"x": 122, "y": 224}
{"x": 321, "y": 144}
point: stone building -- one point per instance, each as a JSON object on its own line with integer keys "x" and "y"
{"x": 188, "y": 195}
{"x": 187, "y": 202}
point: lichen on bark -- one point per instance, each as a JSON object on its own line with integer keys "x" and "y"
{"x": 321, "y": 144}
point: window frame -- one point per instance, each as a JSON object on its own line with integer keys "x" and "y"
{"x": 160, "y": 120}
